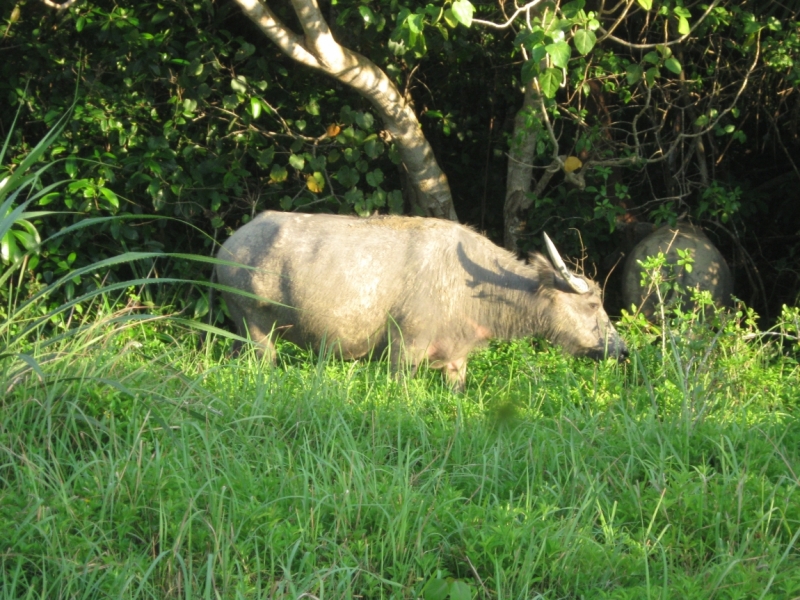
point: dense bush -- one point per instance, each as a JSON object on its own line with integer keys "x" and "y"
{"x": 177, "y": 116}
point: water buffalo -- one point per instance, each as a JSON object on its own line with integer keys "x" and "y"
{"x": 709, "y": 271}
{"x": 425, "y": 289}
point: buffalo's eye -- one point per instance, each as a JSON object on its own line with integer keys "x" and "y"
{"x": 594, "y": 306}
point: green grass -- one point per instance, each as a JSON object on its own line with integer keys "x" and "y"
{"x": 142, "y": 467}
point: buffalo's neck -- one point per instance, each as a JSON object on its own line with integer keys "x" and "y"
{"x": 506, "y": 311}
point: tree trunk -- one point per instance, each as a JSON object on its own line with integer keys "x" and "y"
{"x": 520, "y": 170}
{"x": 319, "y": 50}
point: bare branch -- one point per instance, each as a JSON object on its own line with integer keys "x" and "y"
{"x": 615, "y": 24}
{"x": 511, "y": 19}
{"x": 57, "y": 6}
{"x": 613, "y": 38}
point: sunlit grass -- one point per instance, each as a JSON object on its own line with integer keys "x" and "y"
{"x": 144, "y": 467}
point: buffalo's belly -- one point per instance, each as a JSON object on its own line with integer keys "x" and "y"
{"x": 348, "y": 340}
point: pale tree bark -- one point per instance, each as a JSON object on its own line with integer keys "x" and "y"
{"x": 520, "y": 170}
{"x": 522, "y": 152}
{"x": 317, "y": 49}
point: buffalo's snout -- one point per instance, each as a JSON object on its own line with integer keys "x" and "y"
{"x": 613, "y": 349}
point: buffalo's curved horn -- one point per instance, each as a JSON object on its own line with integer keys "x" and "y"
{"x": 575, "y": 282}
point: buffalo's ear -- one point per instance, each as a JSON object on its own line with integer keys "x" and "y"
{"x": 540, "y": 263}
{"x": 544, "y": 273}
{"x": 562, "y": 285}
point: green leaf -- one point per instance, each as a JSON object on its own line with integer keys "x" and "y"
{"x": 110, "y": 197}
{"x": 752, "y": 27}
{"x": 160, "y": 16}
{"x": 559, "y": 53}
{"x": 530, "y": 69}
{"x": 367, "y": 14}
{"x": 652, "y": 58}
{"x": 459, "y": 590}
{"x": 375, "y": 178}
{"x": 634, "y": 74}
{"x": 651, "y": 75}
{"x": 365, "y": 120}
{"x": 571, "y": 9}
{"x": 673, "y": 64}
{"x": 645, "y": 4}
{"x": 415, "y": 23}
{"x": 529, "y": 39}
{"x": 317, "y": 163}
{"x": 8, "y": 248}
{"x": 255, "y": 107}
{"x": 297, "y": 161}
{"x": 265, "y": 157}
{"x": 373, "y": 147}
{"x": 463, "y": 11}
{"x": 683, "y": 26}
{"x": 278, "y": 174}
{"x": 376, "y": 199}
{"x": 239, "y": 84}
{"x": 395, "y": 202}
{"x": 201, "y": 306}
{"x": 549, "y": 82}
{"x": 245, "y": 51}
{"x": 347, "y": 176}
{"x": 450, "y": 18}
{"x": 71, "y": 167}
{"x": 231, "y": 101}
{"x": 585, "y": 41}
{"x": 436, "y": 589}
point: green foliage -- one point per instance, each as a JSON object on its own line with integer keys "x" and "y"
{"x": 186, "y": 110}
{"x": 175, "y": 116}
{"x": 176, "y": 472}
{"x": 444, "y": 588}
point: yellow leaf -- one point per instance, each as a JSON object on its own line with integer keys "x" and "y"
{"x": 313, "y": 184}
{"x": 573, "y": 163}
{"x": 333, "y": 130}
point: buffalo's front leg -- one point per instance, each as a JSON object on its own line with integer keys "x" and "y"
{"x": 456, "y": 373}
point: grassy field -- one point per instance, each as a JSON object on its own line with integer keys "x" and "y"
{"x": 134, "y": 465}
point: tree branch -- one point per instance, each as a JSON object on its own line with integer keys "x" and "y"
{"x": 57, "y": 6}
{"x": 631, "y": 45}
{"x": 318, "y": 49}
{"x": 511, "y": 19}
{"x": 291, "y": 44}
